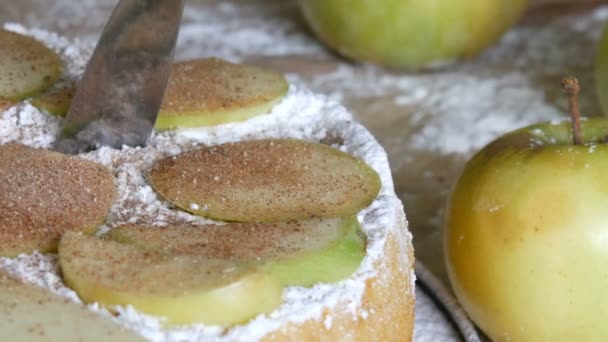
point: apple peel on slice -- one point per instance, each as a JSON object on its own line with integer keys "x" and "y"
{"x": 27, "y": 66}
{"x": 298, "y": 253}
{"x": 266, "y": 181}
{"x": 338, "y": 259}
{"x": 206, "y": 92}
{"x": 182, "y": 288}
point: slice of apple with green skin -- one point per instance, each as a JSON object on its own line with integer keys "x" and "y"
{"x": 601, "y": 71}
{"x": 44, "y": 193}
{"x": 525, "y": 235}
{"x": 27, "y": 66}
{"x": 30, "y": 313}
{"x": 339, "y": 260}
{"x": 56, "y": 102}
{"x": 297, "y": 253}
{"x": 410, "y": 34}
{"x": 211, "y": 91}
{"x": 266, "y": 181}
{"x": 200, "y": 93}
{"x": 182, "y": 288}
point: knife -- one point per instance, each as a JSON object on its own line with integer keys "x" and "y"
{"x": 118, "y": 98}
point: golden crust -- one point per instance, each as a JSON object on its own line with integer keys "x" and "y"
{"x": 388, "y": 301}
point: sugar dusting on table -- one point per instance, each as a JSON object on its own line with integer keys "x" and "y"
{"x": 301, "y": 114}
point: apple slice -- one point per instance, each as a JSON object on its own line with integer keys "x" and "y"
{"x": 26, "y": 66}
{"x": 297, "y": 253}
{"x": 56, "y": 101}
{"x": 211, "y": 91}
{"x": 30, "y": 313}
{"x": 183, "y": 288}
{"x": 45, "y": 193}
{"x": 266, "y": 181}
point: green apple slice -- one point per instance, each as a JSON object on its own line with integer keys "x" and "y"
{"x": 266, "y": 181}
{"x": 297, "y": 253}
{"x": 45, "y": 193}
{"x": 30, "y": 313}
{"x": 183, "y": 288}
{"x": 211, "y": 91}
{"x": 56, "y": 101}
{"x": 338, "y": 260}
{"x": 26, "y": 66}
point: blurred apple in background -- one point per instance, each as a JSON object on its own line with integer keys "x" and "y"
{"x": 601, "y": 71}
{"x": 410, "y": 34}
{"x": 526, "y": 239}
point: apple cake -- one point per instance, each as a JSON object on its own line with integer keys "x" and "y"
{"x": 376, "y": 302}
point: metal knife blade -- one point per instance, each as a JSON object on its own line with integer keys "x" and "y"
{"x": 120, "y": 93}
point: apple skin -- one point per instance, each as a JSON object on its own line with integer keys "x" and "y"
{"x": 601, "y": 71}
{"x": 410, "y": 34}
{"x": 526, "y": 235}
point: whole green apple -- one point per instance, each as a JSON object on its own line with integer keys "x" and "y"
{"x": 601, "y": 71}
{"x": 410, "y": 33}
{"x": 526, "y": 239}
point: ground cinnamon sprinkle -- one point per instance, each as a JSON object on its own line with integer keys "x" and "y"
{"x": 45, "y": 193}
{"x": 213, "y": 85}
{"x": 265, "y": 180}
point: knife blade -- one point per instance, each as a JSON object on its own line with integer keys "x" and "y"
{"x": 117, "y": 100}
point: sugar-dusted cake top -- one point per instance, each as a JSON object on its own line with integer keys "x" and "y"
{"x": 301, "y": 114}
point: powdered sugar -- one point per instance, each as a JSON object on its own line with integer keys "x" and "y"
{"x": 25, "y": 124}
{"x": 38, "y": 269}
{"x": 560, "y": 45}
{"x": 467, "y": 110}
{"x": 462, "y": 108}
{"x": 513, "y": 99}
{"x": 302, "y": 114}
{"x": 233, "y": 31}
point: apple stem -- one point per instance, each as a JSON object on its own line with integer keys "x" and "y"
{"x": 571, "y": 87}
